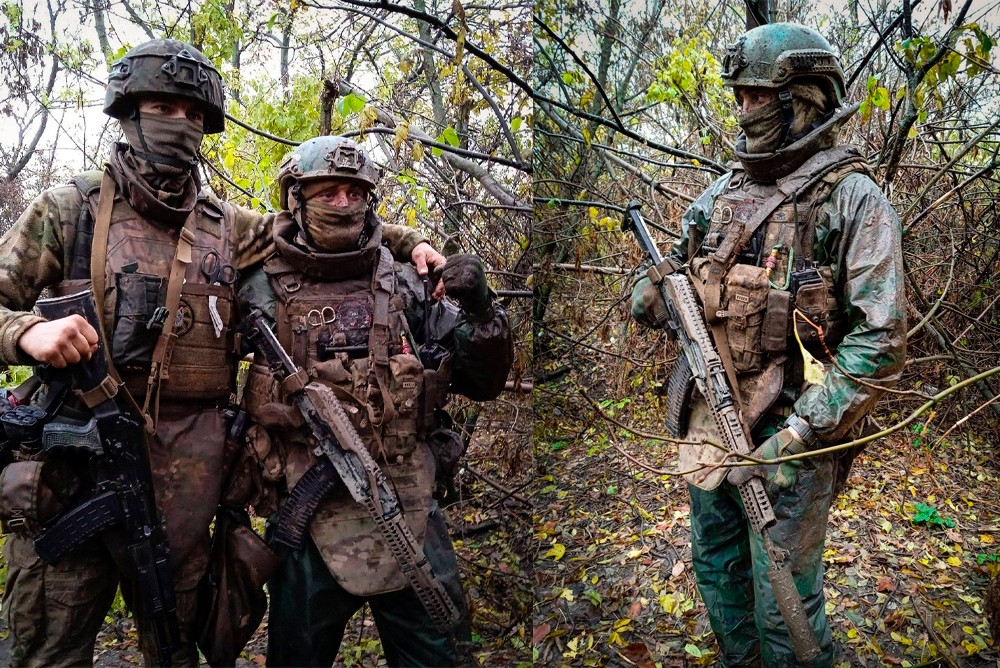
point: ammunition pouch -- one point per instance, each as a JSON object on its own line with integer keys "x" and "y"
{"x": 139, "y": 319}
{"x": 743, "y": 306}
{"x": 26, "y": 499}
{"x": 813, "y": 295}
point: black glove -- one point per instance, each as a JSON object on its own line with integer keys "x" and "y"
{"x": 465, "y": 282}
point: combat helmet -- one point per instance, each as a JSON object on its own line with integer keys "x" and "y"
{"x": 772, "y": 55}
{"x": 326, "y": 157}
{"x": 166, "y": 67}
{"x": 777, "y": 56}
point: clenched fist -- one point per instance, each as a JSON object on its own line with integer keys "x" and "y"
{"x": 60, "y": 342}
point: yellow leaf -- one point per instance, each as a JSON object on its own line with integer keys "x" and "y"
{"x": 567, "y": 594}
{"x": 593, "y": 212}
{"x": 954, "y": 561}
{"x": 622, "y": 624}
{"x": 594, "y": 580}
{"x": 572, "y": 644}
{"x": 986, "y": 540}
{"x": 411, "y": 218}
{"x": 668, "y": 603}
{"x": 814, "y": 371}
{"x": 400, "y": 135}
{"x": 556, "y": 551}
{"x": 586, "y": 137}
{"x": 418, "y": 151}
{"x": 852, "y": 633}
{"x": 633, "y": 553}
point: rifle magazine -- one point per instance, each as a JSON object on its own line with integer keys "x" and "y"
{"x": 73, "y": 527}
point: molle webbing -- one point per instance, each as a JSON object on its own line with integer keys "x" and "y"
{"x": 83, "y": 238}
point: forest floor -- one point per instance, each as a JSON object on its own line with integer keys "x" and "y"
{"x": 911, "y": 545}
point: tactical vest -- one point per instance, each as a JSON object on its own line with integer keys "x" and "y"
{"x": 352, "y": 335}
{"x": 756, "y": 267}
{"x": 137, "y": 270}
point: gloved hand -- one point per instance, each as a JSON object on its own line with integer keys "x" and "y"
{"x": 465, "y": 281}
{"x": 782, "y": 476}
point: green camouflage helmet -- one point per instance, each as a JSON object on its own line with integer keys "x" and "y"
{"x": 166, "y": 67}
{"x": 770, "y": 56}
{"x": 326, "y": 157}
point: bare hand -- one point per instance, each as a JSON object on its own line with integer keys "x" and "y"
{"x": 60, "y": 342}
{"x": 426, "y": 259}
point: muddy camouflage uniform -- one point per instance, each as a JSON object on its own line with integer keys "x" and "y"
{"x": 833, "y": 218}
{"x": 55, "y": 611}
{"x": 326, "y": 308}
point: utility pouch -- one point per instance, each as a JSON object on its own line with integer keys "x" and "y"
{"x": 26, "y": 501}
{"x": 743, "y": 306}
{"x": 813, "y": 296}
{"x": 139, "y": 319}
{"x": 406, "y": 382}
{"x": 774, "y": 338}
{"x": 447, "y": 447}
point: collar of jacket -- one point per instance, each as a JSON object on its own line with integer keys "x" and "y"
{"x": 324, "y": 265}
{"x": 770, "y": 167}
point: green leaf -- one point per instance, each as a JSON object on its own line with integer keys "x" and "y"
{"x": 437, "y": 152}
{"x": 449, "y": 135}
{"x": 349, "y": 104}
{"x": 515, "y": 124}
{"x": 693, "y": 650}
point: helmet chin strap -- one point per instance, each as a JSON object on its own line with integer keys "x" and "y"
{"x": 787, "y": 115}
{"x": 151, "y": 157}
{"x": 300, "y": 213}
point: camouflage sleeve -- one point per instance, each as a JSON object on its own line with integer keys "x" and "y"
{"x": 252, "y": 242}
{"x": 648, "y": 308}
{"x": 694, "y": 222}
{"x": 250, "y": 237}
{"x": 401, "y": 240}
{"x": 31, "y": 259}
{"x": 482, "y": 353}
{"x": 863, "y": 243}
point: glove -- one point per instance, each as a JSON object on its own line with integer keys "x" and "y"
{"x": 781, "y": 476}
{"x": 465, "y": 282}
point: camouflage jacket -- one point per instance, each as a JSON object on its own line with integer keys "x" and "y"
{"x": 33, "y": 256}
{"x": 857, "y": 237}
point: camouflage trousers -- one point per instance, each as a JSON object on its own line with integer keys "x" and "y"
{"x": 54, "y": 611}
{"x": 309, "y": 611}
{"x": 731, "y": 565}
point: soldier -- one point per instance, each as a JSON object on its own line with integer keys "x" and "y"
{"x": 325, "y": 288}
{"x": 797, "y": 228}
{"x": 128, "y": 231}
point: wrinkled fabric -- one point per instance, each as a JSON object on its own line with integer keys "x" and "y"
{"x": 764, "y": 128}
{"x": 857, "y": 244}
{"x": 859, "y": 236}
{"x": 310, "y": 610}
{"x": 335, "y": 228}
{"x": 156, "y": 141}
{"x": 54, "y": 612}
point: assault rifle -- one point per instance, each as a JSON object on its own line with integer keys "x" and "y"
{"x": 343, "y": 460}
{"x": 701, "y": 357}
{"x": 123, "y": 509}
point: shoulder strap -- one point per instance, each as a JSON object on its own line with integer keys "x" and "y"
{"x": 83, "y": 237}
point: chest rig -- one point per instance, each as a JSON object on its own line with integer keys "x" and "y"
{"x": 757, "y": 275}
{"x": 353, "y": 336}
{"x": 158, "y": 305}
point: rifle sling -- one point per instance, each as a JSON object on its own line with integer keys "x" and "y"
{"x": 98, "y": 279}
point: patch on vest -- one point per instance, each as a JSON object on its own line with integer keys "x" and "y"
{"x": 183, "y": 319}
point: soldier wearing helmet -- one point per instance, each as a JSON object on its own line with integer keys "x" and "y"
{"x": 797, "y": 230}
{"x": 144, "y": 230}
{"x": 324, "y": 289}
